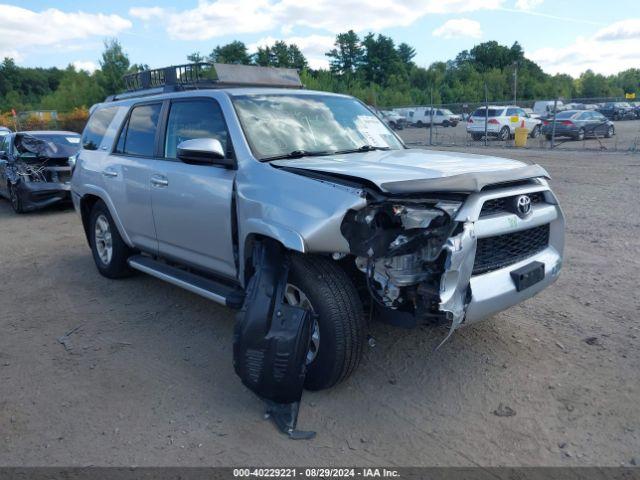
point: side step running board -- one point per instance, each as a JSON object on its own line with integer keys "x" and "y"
{"x": 205, "y": 287}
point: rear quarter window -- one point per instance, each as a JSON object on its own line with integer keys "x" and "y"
{"x": 97, "y": 127}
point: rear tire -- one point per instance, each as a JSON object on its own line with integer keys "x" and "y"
{"x": 14, "y": 198}
{"x": 110, "y": 253}
{"x": 581, "y": 135}
{"x": 504, "y": 134}
{"x": 548, "y": 137}
{"x": 342, "y": 329}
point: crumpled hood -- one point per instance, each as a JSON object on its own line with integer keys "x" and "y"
{"x": 415, "y": 170}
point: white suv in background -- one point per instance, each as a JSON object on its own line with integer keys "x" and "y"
{"x": 502, "y": 122}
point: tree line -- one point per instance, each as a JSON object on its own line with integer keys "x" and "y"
{"x": 373, "y": 68}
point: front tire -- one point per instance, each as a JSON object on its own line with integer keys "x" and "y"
{"x": 341, "y": 327}
{"x": 14, "y": 198}
{"x": 476, "y": 137}
{"x": 110, "y": 253}
{"x": 535, "y": 132}
{"x": 610, "y": 132}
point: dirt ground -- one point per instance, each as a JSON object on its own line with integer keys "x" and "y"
{"x": 144, "y": 374}
{"x": 627, "y": 138}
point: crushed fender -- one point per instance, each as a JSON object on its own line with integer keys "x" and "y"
{"x": 415, "y": 257}
{"x": 271, "y": 340}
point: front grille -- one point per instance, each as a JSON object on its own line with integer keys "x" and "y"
{"x": 504, "y": 204}
{"x": 500, "y": 251}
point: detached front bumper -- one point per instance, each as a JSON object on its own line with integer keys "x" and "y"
{"x": 36, "y": 195}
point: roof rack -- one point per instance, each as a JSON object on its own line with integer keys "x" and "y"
{"x": 202, "y": 75}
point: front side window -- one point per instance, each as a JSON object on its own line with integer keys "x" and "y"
{"x": 279, "y": 124}
{"x": 194, "y": 119}
{"x": 138, "y": 138}
{"x": 97, "y": 127}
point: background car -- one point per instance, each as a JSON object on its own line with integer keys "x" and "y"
{"x": 502, "y": 122}
{"x": 545, "y": 107}
{"x": 35, "y": 168}
{"x": 579, "y": 124}
{"x": 618, "y": 111}
{"x": 393, "y": 119}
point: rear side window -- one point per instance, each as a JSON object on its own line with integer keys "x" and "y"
{"x": 493, "y": 112}
{"x": 138, "y": 137}
{"x": 97, "y": 127}
{"x": 194, "y": 119}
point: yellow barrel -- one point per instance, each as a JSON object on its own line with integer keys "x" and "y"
{"x": 522, "y": 134}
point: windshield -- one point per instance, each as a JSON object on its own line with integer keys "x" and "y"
{"x": 277, "y": 125}
{"x": 47, "y": 145}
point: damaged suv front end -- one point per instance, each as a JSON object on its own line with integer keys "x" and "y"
{"x": 446, "y": 248}
{"x": 38, "y": 167}
{"x": 452, "y": 258}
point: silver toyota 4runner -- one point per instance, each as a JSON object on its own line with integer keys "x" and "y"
{"x": 231, "y": 191}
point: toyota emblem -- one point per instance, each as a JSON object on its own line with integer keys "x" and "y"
{"x": 523, "y": 205}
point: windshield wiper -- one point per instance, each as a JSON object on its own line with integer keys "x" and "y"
{"x": 297, "y": 154}
{"x": 363, "y": 148}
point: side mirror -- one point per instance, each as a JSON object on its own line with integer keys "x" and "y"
{"x": 203, "y": 151}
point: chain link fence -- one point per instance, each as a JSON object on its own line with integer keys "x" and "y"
{"x": 600, "y": 124}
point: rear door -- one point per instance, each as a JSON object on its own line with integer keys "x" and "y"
{"x": 192, "y": 203}
{"x": 127, "y": 174}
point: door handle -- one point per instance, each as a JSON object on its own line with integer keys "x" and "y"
{"x": 159, "y": 181}
{"x": 109, "y": 173}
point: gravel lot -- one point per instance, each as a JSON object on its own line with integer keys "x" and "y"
{"x": 627, "y": 138}
{"x": 144, "y": 373}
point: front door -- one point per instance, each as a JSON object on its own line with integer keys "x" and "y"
{"x": 192, "y": 203}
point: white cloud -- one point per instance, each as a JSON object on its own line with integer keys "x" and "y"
{"x": 86, "y": 65}
{"x": 147, "y": 13}
{"x": 215, "y": 18}
{"x": 623, "y": 30}
{"x": 528, "y": 4}
{"x": 22, "y": 29}
{"x": 313, "y": 47}
{"x": 610, "y": 50}
{"x": 459, "y": 27}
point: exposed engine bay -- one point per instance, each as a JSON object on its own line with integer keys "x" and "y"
{"x": 401, "y": 247}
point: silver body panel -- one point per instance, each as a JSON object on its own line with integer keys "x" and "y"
{"x": 186, "y": 212}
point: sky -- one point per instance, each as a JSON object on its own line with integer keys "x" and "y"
{"x": 562, "y": 36}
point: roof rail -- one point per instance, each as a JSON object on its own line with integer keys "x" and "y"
{"x": 193, "y": 76}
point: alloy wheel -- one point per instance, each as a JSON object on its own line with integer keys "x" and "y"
{"x": 103, "y": 239}
{"x": 297, "y": 298}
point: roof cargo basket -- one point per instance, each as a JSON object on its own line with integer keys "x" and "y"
{"x": 203, "y": 75}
